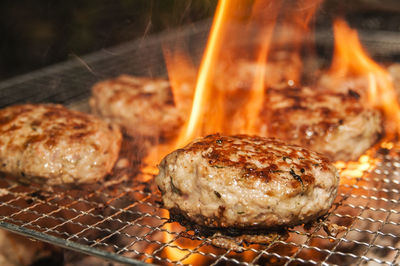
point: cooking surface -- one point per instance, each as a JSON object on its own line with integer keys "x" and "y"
{"x": 122, "y": 220}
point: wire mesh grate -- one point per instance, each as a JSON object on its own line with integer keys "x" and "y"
{"x": 122, "y": 220}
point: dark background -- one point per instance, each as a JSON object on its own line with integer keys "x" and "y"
{"x": 38, "y": 33}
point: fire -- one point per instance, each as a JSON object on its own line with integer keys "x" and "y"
{"x": 182, "y": 251}
{"x": 210, "y": 111}
{"x": 254, "y": 105}
{"x": 351, "y": 60}
{"x": 350, "y": 172}
{"x": 202, "y": 96}
{"x": 182, "y": 75}
{"x": 214, "y": 106}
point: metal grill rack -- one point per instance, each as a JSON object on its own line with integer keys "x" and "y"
{"x": 121, "y": 219}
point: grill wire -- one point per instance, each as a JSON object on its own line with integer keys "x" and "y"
{"x": 121, "y": 219}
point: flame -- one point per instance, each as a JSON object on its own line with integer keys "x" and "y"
{"x": 350, "y": 59}
{"x": 202, "y": 95}
{"x": 254, "y": 105}
{"x": 210, "y": 111}
{"x": 350, "y": 172}
{"x": 182, "y": 251}
{"x": 182, "y": 75}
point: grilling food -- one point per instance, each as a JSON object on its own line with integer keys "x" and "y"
{"x": 324, "y": 121}
{"x": 141, "y": 106}
{"x": 282, "y": 67}
{"x": 358, "y": 84}
{"x": 246, "y": 182}
{"x": 51, "y": 144}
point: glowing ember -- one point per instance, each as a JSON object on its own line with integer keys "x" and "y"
{"x": 351, "y": 60}
{"x": 350, "y": 171}
{"x": 387, "y": 145}
{"x": 182, "y": 249}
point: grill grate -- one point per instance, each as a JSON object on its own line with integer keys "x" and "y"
{"x": 121, "y": 220}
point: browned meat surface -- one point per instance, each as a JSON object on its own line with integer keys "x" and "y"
{"x": 356, "y": 83}
{"x": 246, "y": 182}
{"x": 338, "y": 125}
{"x": 51, "y": 144}
{"x": 281, "y": 68}
{"x": 141, "y": 106}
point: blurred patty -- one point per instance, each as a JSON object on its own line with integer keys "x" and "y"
{"x": 338, "y": 125}
{"x": 141, "y": 106}
{"x": 51, "y": 144}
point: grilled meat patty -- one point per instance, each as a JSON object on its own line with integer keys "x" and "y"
{"x": 282, "y": 67}
{"x": 141, "y": 106}
{"x": 338, "y": 125}
{"x": 356, "y": 83}
{"x": 246, "y": 182}
{"x": 51, "y": 144}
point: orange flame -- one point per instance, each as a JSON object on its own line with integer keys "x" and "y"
{"x": 254, "y": 105}
{"x": 201, "y": 98}
{"x": 182, "y": 76}
{"x": 202, "y": 95}
{"x": 211, "y": 110}
{"x": 209, "y": 113}
{"x": 351, "y": 171}
{"x": 182, "y": 252}
{"x": 350, "y": 59}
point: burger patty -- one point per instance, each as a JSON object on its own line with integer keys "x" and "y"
{"x": 283, "y": 67}
{"x": 51, "y": 144}
{"x": 338, "y": 125}
{"x": 246, "y": 182}
{"x": 140, "y": 106}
